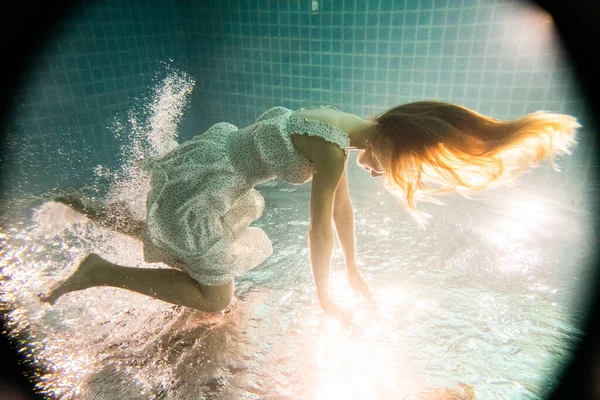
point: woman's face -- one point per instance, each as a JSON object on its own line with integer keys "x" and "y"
{"x": 370, "y": 163}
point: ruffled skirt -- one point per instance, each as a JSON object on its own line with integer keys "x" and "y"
{"x": 199, "y": 212}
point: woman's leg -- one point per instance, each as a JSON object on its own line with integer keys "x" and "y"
{"x": 115, "y": 216}
{"x": 172, "y": 286}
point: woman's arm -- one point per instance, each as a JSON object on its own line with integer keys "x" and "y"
{"x": 343, "y": 217}
{"x": 329, "y": 166}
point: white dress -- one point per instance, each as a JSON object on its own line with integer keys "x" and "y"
{"x": 202, "y": 198}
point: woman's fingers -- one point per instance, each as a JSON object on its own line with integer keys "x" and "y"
{"x": 366, "y": 291}
{"x": 333, "y": 310}
{"x": 359, "y": 286}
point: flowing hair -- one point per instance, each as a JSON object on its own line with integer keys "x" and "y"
{"x": 432, "y": 148}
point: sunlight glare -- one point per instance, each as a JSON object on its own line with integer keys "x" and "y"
{"x": 519, "y": 221}
{"x": 364, "y": 361}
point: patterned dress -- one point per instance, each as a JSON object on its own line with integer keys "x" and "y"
{"x": 202, "y": 198}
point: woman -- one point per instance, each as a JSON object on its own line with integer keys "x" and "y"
{"x": 202, "y": 197}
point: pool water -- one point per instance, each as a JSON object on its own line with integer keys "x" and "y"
{"x": 486, "y": 301}
{"x": 481, "y": 297}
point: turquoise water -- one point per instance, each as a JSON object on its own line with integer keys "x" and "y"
{"x": 488, "y": 296}
{"x": 486, "y": 301}
{"x": 452, "y": 305}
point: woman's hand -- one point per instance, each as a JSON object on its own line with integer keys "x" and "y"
{"x": 358, "y": 284}
{"x": 333, "y": 310}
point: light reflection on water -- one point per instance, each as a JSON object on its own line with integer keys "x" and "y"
{"x": 452, "y": 306}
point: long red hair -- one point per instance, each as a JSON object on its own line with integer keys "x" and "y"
{"x": 433, "y": 147}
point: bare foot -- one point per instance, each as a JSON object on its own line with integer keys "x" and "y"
{"x": 81, "y": 279}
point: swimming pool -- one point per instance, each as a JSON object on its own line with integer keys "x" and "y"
{"x": 487, "y": 300}
{"x": 487, "y": 295}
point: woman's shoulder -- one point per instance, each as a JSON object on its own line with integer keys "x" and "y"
{"x": 314, "y": 147}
